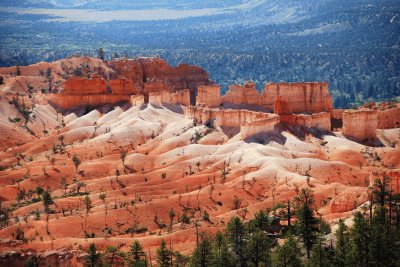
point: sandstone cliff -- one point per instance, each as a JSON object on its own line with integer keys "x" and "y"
{"x": 143, "y": 70}
{"x": 309, "y": 97}
{"x": 209, "y": 96}
{"x": 360, "y": 125}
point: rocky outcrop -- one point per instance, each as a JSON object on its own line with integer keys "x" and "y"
{"x": 124, "y": 87}
{"x": 143, "y": 70}
{"x": 181, "y": 97}
{"x": 249, "y": 122}
{"x": 389, "y": 118}
{"x": 360, "y": 125}
{"x": 209, "y": 96}
{"x": 347, "y": 201}
{"x": 70, "y": 102}
{"x": 259, "y": 126}
{"x": 309, "y": 97}
{"x": 157, "y": 85}
{"x": 81, "y": 86}
{"x": 137, "y": 100}
{"x": 240, "y": 96}
{"x": 320, "y": 121}
{"x": 281, "y": 107}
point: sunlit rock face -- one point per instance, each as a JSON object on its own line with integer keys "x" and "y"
{"x": 360, "y": 125}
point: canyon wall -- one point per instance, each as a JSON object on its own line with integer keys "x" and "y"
{"x": 320, "y": 121}
{"x": 81, "y": 86}
{"x": 259, "y": 126}
{"x": 360, "y": 125}
{"x": 389, "y": 118}
{"x": 249, "y": 122}
{"x": 281, "y": 106}
{"x": 181, "y": 97}
{"x": 143, "y": 70}
{"x": 209, "y": 96}
{"x": 69, "y": 102}
{"x": 124, "y": 87}
{"x": 309, "y": 97}
{"x": 239, "y": 95}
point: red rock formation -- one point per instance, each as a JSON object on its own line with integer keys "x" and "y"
{"x": 209, "y": 96}
{"x": 142, "y": 70}
{"x": 181, "y": 97}
{"x": 69, "y": 102}
{"x": 124, "y": 87}
{"x": 80, "y": 86}
{"x": 238, "y": 95}
{"x": 281, "y": 107}
{"x": 157, "y": 85}
{"x": 360, "y": 125}
{"x": 320, "y": 121}
{"x": 302, "y": 97}
{"x": 137, "y": 100}
{"x": 347, "y": 201}
{"x": 389, "y": 118}
{"x": 249, "y": 122}
{"x": 259, "y": 126}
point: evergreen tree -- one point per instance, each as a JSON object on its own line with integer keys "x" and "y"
{"x": 359, "y": 241}
{"x": 163, "y": 255}
{"x": 288, "y": 255}
{"x": 321, "y": 255}
{"x": 221, "y": 253}
{"x": 47, "y": 201}
{"x": 342, "y": 244}
{"x": 236, "y": 236}
{"x": 306, "y": 224}
{"x": 93, "y": 259}
{"x": 202, "y": 255}
{"x": 258, "y": 249}
{"x": 136, "y": 256}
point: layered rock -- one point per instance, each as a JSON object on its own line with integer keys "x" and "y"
{"x": 320, "y": 121}
{"x": 389, "y": 118}
{"x": 69, "y": 102}
{"x": 143, "y": 70}
{"x": 309, "y": 97}
{"x": 137, "y": 100}
{"x": 281, "y": 107}
{"x": 181, "y": 97}
{"x": 259, "y": 126}
{"x": 209, "y": 96}
{"x": 360, "y": 125}
{"x": 81, "y": 86}
{"x": 239, "y": 95}
{"x": 124, "y": 87}
{"x": 249, "y": 122}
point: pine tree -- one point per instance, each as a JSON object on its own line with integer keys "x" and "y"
{"x": 202, "y": 256}
{"x": 288, "y": 255}
{"x": 136, "y": 256}
{"x": 342, "y": 244}
{"x": 359, "y": 241}
{"x": 258, "y": 249}
{"x": 47, "y": 201}
{"x": 93, "y": 258}
{"x": 236, "y": 235}
{"x": 221, "y": 253}
{"x": 321, "y": 255}
{"x": 163, "y": 255}
{"x": 306, "y": 224}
